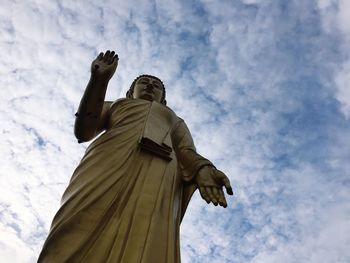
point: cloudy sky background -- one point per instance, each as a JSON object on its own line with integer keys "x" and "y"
{"x": 262, "y": 84}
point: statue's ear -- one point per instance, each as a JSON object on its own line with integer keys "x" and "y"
{"x": 164, "y": 102}
{"x": 128, "y": 95}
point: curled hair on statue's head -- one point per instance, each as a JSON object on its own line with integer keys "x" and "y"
{"x": 130, "y": 92}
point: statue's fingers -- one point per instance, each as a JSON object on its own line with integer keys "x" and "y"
{"x": 204, "y": 194}
{"x": 106, "y": 56}
{"x": 215, "y": 192}
{"x": 227, "y": 184}
{"x": 111, "y": 56}
{"x": 115, "y": 59}
{"x": 212, "y": 196}
{"x": 222, "y": 199}
{"x": 100, "y": 56}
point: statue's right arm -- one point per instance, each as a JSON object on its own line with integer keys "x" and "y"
{"x": 92, "y": 115}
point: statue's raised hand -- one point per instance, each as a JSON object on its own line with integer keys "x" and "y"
{"x": 210, "y": 182}
{"x": 104, "y": 66}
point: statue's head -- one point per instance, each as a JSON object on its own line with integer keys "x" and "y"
{"x": 147, "y": 87}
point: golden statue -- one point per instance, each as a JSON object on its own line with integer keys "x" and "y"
{"x": 128, "y": 195}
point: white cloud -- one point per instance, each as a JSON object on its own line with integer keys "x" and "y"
{"x": 343, "y": 88}
{"x": 335, "y": 16}
{"x": 13, "y": 248}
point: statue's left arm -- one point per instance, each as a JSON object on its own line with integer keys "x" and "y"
{"x": 199, "y": 170}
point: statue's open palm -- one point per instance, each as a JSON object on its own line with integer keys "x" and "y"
{"x": 210, "y": 182}
{"x": 104, "y": 66}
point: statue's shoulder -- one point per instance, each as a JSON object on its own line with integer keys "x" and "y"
{"x": 116, "y": 102}
{"x": 176, "y": 118}
{"x": 169, "y": 110}
{"x": 120, "y": 103}
{"x": 179, "y": 119}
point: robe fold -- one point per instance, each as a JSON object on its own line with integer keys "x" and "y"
{"x": 127, "y": 197}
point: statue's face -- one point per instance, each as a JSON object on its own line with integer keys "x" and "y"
{"x": 148, "y": 88}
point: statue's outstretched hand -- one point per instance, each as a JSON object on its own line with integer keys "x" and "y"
{"x": 210, "y": 182}
{"x": 104, "y": 66}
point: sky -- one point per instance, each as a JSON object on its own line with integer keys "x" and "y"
{"x": 262, "y": 85}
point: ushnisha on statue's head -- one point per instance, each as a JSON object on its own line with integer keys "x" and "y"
{"x": 147, "y": 87}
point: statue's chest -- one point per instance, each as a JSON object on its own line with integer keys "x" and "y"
{"x": 153, "y": 120}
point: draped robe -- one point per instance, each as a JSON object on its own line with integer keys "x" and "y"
{"x": 126, "y": 200}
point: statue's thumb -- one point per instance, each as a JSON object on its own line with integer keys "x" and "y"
{"x": 228, "y": 186}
